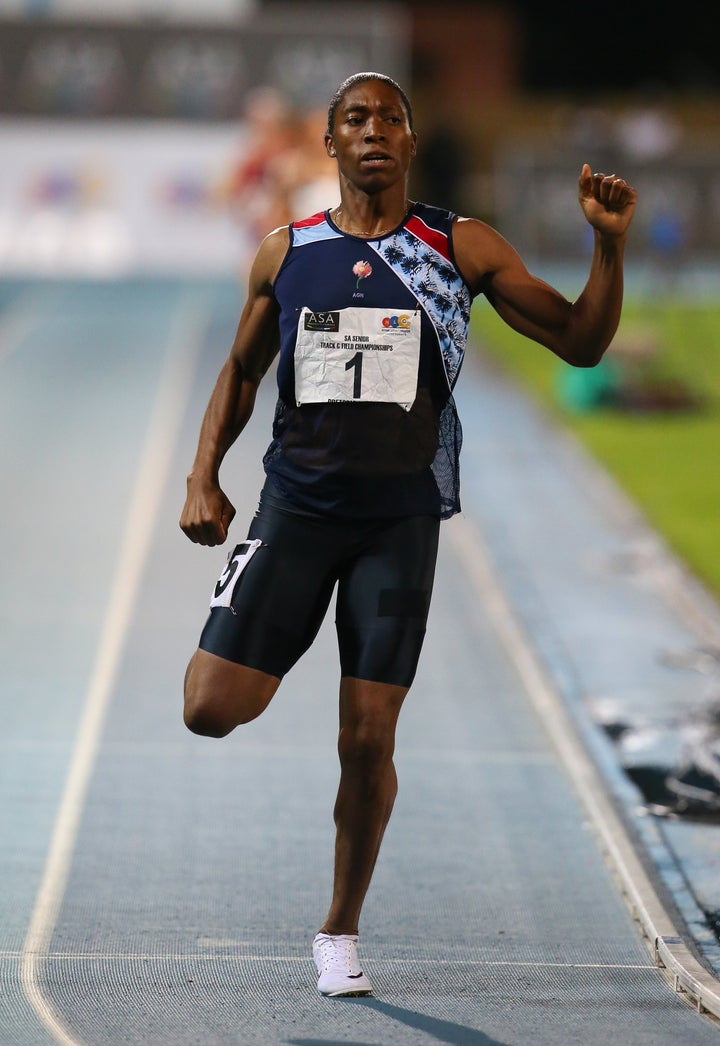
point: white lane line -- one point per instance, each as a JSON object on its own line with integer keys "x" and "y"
{"x": 173, "y": 395}
{"x": 274, "y": 959}
{"x": 17, "y": 322}
{"x": 663, "y": 937}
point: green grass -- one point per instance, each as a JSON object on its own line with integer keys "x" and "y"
{"x": 668, "y": 462}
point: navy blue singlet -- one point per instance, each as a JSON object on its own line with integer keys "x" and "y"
{"x": 347, "y": 455}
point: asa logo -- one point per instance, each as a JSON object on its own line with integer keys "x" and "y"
{"x": 322, "y": 321}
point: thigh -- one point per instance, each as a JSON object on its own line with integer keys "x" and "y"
{"x": 383, "y": 601}
{"x": 281, "y": 597}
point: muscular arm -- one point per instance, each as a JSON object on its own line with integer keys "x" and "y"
{"x": 207, "y": 512}
{"x": 578, "y": 332}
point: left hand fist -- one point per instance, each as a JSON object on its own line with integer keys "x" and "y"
{"x": 608, "y": 202}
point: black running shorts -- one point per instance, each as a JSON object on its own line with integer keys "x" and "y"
{"x": 278, "y": 595}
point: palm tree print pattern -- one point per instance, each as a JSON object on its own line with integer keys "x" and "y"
{"x": 439, "y": 288}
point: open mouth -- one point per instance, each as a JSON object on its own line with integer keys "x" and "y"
{"x": 376, "y": 159}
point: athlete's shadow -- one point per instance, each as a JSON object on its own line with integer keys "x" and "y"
{"x": 442, "y": 1031}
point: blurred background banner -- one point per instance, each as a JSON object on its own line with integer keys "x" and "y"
{"x": 170, "y": 136}
{"x": 195, "y": 69}
{"x": 122, "y": 135}
{"x": 109, "y": 200}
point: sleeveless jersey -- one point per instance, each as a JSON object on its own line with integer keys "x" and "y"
{"x": 372, "y": 338}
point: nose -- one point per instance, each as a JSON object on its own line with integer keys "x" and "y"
{"x": 373, "y": 128}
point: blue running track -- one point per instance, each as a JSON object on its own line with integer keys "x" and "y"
{"x": 161, "y": 888}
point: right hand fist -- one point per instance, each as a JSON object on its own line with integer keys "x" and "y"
{"x": 206, "y": 515}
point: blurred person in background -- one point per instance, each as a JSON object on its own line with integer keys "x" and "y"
{"x": 282, "y": 171}
{"x": 366, "y": 305}
{"x": 255, "y": 186}
{"x": 311, "y": 183}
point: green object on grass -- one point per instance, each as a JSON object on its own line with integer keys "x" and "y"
{"x": 668, "y": 463}
{"x": 586, "y": 388}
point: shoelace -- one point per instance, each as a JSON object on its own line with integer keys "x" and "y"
{"x": 338, "y": 955}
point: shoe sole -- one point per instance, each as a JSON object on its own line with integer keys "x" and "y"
{"x": 350, "y": 993}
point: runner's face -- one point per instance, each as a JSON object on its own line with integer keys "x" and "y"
{"x": 371, "y": 137}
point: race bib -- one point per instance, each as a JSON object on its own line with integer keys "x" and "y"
{"x": 357, "y": 356}
{"x": 237, "y": 560}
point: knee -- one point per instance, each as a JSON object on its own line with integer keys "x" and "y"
{"x": 215, "y": 714}
{"x": 202, "y": 719}
{"x": 201, "y": 714}
{"x": 220, "y": 697}
{"x": 203, "y": 711}
{"x": 367, "y": 743}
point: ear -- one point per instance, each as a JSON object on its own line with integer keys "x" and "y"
{"x": 413, "y": 146}
{"x": 329, "y": 145}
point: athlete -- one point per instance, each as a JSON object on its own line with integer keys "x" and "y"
{"x": 366, "y": 306}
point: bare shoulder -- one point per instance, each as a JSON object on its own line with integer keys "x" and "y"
{"x": 480, "y": 251}
{"x": 270, "y": 256}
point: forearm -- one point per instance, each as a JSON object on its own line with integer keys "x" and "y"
{"x": 228, "y": 412}
{"x": 608, "y": 203}
{"x": 595, "y": 316}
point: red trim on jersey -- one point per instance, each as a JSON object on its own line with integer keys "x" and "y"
{"x": 314, "y": 219}
{"x": 437, "y": 240}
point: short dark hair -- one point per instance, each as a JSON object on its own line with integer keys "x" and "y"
{"x": 361, "y": 78}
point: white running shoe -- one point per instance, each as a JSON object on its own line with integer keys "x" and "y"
{"x": 338, "y": 966}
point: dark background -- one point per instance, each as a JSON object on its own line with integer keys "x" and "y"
{"x": 597, "y": 47}
{"x": 622, "y": 46}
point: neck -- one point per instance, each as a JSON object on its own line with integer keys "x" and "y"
{"x": 360, "y": 221}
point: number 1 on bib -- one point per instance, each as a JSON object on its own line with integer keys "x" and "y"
{"x": 356, "y": 362}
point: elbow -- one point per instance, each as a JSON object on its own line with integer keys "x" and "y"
{"x": 577, "y": 348}
{"x": 588, "y": 361}
{"x": 584, "y": 356}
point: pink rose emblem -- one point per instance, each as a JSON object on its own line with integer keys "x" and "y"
{"x": 362, "y": 270}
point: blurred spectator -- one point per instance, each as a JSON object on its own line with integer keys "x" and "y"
{"x": 648, "y": 132}
{"x": 311, "y": 182}
{"x": 255, "y": 189}
{"x": 284, "y": 172}
{"x": 666, "y": 238}
{"x": 583, "y": 127}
